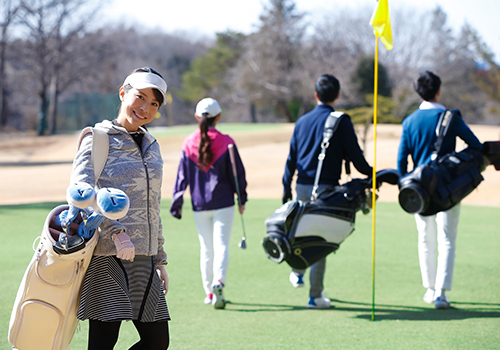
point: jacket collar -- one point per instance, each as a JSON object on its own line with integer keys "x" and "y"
{"x": 431, "y": 105}
{"x": 112, "y": 128}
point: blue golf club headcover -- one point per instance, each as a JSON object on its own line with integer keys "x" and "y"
{"x": 88, "y": 227}
{"x": 112, "y": 203}
{"x": 66, "y": 217}
{"x": 80, "y": 194}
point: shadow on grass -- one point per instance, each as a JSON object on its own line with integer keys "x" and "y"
{"x": 413, "y": 313}
{"x": 385, "y": 312}
{"x": 253, "y": 307}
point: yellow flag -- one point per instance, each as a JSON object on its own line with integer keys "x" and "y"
{"x": 381, "y": 23}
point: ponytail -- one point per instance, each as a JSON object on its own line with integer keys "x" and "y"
{"x": 205, "y": 153}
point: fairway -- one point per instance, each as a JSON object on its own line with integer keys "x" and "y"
{"x": 265, "y": 312}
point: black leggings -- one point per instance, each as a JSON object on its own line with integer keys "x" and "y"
{"x": 104, "y": 335}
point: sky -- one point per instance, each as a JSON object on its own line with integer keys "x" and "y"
{"x": 209, "y": 17}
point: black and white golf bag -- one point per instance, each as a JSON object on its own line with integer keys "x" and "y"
{"x": 302, "y": 233}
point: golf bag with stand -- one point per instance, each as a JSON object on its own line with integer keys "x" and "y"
{"x": 45, "y": 308}
{"x": 302, "y": 233}
{"x": 446, "y": 180}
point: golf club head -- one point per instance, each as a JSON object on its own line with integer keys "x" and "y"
{"x": 243, "y": 243}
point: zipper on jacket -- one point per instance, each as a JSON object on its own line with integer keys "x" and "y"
{"x": 147, "y": 186}
{"x": 147, "y": 201}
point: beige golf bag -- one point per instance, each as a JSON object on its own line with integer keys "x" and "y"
{"x": 46, "y": 305}
{"x": 44, "y": 313}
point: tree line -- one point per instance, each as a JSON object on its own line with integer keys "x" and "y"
{"x": 61, "y": 68}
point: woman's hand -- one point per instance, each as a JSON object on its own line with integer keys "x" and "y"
{"x": 241, "y": 208}
{"x": 162, "y": 273}
{"x": 125, "y": 249}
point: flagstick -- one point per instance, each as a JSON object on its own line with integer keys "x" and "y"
{"x": 375, "y": 93}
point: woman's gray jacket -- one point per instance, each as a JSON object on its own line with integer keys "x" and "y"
{"x": 139, "y": 175}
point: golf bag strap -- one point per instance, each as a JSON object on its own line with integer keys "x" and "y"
{"x": 331, "y": 125}
{"x": 445, "y": 120}
{"x": 100, "y": 148}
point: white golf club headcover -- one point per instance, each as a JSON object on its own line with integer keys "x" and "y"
{"x": 80, "y": 194}
{"x": 112, "y": 203}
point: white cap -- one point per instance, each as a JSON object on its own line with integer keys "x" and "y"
{"x": 144, "y": 80}
{"x": 208, "y": 105}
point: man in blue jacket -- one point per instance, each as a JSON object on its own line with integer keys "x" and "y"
{"x": 303, "y": 157}
{"x": 440, "y": 230}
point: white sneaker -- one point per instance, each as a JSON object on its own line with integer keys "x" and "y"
{"x": 318, "y": 303}
{"x": 441, "y": 302}
{"x": 296, "y": 280}
{"x": 218, "y": 300}
{"x": 208, "y": 298}
{"x": 429, "y": 296}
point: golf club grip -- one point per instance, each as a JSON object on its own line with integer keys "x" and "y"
{"x": 230, "y": 148}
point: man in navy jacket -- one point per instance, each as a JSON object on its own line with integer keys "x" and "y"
{"x": 303, "y": 157}
{"x": 440, "y": 230}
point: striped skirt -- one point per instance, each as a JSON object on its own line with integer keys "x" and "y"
{"x": 120, "y": 290}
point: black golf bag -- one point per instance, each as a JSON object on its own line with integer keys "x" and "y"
{"x": 491, "y": 151}
{"x": 302, "y": 233}
{"x": 441, "y": 184}
{"x": 446, "y": 180}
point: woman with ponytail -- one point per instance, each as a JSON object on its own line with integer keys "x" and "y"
{"x": 205, "y": 167}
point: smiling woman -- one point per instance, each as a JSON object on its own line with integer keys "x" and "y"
{"x": 129, "y": 252}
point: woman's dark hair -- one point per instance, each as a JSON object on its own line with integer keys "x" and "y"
{"x": 427, "y": 85}
{"x": 327, "y": 87}
{"x": 158, "y": 94}
{"x": 205, "y": 154}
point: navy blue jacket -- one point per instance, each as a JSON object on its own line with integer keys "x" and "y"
{"x": 305, "y": 147}
{"x": 419, "y": 135}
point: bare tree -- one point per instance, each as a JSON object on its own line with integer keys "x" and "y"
{"x": 267, "y": 73}
{"x": 9, "y": 9}
{"x": 53, "y": 26}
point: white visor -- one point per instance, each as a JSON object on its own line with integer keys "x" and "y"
{"x": 144, "y": 80}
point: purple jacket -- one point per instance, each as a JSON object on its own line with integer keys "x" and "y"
{"x": 211, "y": 188}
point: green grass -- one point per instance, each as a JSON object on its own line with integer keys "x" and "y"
{"x": 226, "y": 128}
{"x": 265, "y": 312}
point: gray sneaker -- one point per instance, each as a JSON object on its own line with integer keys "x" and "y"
{"x": 218, "y": 300}
{"x": 319, "y": 303}
{"x": 441, "y": 303}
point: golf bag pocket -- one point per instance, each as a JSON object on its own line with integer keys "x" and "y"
{"x": 302, "y": 233}
{"x": 306, "y": 251}
{"x": 44, "y": 312}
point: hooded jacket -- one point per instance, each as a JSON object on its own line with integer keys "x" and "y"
{"x": 211, "y": 188}
{"x": 137, "y": 173}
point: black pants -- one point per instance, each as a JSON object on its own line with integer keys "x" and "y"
{"x": 104, "y": 335}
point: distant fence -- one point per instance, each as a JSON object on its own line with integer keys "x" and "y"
{"x": 86, "y": 109}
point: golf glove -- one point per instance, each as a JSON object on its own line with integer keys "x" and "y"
{"x": 162, "y": 273}
{"x": 124, "y": 247}
{"x": 286, "y": 197}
